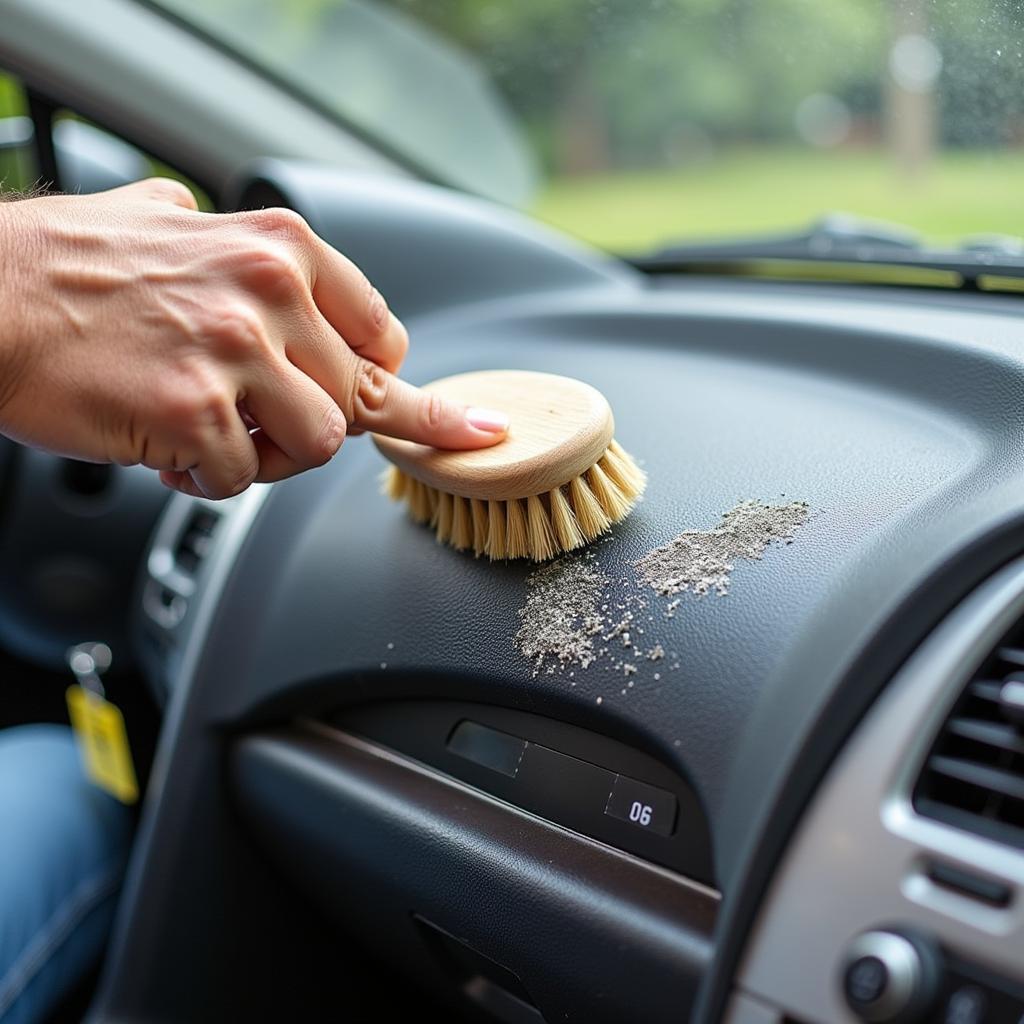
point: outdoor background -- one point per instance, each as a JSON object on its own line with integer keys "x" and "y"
{"x": 655, "y": 120}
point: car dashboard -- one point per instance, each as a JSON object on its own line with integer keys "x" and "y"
{"x": 765, "y": 799}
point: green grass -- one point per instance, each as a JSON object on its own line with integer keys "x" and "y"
{"x": 962, "y": 193}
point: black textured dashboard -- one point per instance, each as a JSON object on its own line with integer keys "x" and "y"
{"x": 896, "y": 417}
{"x": 883, "y": 435}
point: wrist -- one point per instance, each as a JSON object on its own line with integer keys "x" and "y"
{"x": 17, "y": 254}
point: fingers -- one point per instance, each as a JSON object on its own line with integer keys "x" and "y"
{"x": 275, "y": 464}
{"x": 301, "y": 426}
{"x": 227, "y": 461}
{"x": 356, "y": 310}
{"x": 179, "y": 480}
{"x": 165, "y": 190}
{"x": 339, "y": 289}
{"x": 373, "y": 399}
{"x": 320, "y": 366}
{"x": 388, "y": 405}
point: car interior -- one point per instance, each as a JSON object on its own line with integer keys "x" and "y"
{"x": 795, "y": 795}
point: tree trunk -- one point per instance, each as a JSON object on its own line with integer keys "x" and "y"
{"x": 581, "y": 145}
{"x": 910, "y": 118}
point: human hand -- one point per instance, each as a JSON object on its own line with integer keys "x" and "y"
{"x": 219, "y": 349}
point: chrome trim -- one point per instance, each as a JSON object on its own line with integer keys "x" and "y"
{"x": 238, "y": 513}
{"x": 743, "y": 1009}
{"x": 188, "y": 614}
{"x": 857, "y": 861}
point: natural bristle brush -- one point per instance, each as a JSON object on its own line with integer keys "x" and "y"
{"x": 557, "y": 481}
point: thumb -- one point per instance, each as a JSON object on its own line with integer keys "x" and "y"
{"x": 165, "y": 190}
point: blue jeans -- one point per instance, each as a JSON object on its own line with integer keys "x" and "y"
{"x": 63, "y": 847}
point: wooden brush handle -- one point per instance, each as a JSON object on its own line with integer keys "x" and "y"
{"x": 559, "y": 428}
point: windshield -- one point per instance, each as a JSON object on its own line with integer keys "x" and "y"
{"x": 634, "y": 123}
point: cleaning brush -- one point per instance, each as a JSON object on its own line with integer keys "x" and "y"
{"x": 557, "y": 481}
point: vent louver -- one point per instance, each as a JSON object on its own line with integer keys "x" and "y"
{"x": 194, "y": 542}
{"x": 172, "y": 572}
{"x": 974, "y": 776}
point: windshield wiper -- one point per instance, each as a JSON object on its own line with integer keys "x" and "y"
{"x": 843, "y": 248}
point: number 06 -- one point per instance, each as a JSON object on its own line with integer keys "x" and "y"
{"x": 640, "y": 813}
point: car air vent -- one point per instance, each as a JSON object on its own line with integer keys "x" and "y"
{"x": 974, "y": 776}
{"x": 194, "y": 542}
{"x": 174, "y": 563}
{"x": 191, "y": 538}
{"x": 183, "y": 540}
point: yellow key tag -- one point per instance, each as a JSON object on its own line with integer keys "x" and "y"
{"x": 99, "y": 729}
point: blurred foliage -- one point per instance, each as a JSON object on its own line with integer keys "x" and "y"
{"x": 12, "y": 98}
{"x": 662, "y": 75}
{"x": 12, "y": 164}
{"x": 660, "y": 118}
{"x": 671, "y": 74}
{"x": 598, "y": 84}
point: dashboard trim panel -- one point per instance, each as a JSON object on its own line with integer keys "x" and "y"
{"x": 859, "y": 859}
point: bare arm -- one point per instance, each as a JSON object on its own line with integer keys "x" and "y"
{"x": 134, "y": 329}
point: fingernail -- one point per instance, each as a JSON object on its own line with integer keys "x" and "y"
{"x": 491, "y": 420}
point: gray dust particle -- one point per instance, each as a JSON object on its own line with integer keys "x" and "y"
{"x": 572, "y": 620}
{"x": 702, "y": 560}
{"x": 560, "y": 618}
{"x": 391, "y": 647}
{"x": 383, "y": 664}
{"x": 621, "y": 628}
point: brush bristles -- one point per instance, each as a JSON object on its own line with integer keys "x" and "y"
{"x": 497, "y": 516}
{"x": 540, "y": 536}
{"x": 627, "y": 476}
{"x": 396, "y": 484}
{"x": 611, "y": 500}
{"x": 539, "y": 526}
{"x": 418, "y": 497}
{"x": 563, "y": 522}
{"x": 591, "y": 518}
{"x": 443, "y": 515}
{"x": 480, "y": 526}
{"x": 462, "y": 524}
{"x": 517, "y": 544}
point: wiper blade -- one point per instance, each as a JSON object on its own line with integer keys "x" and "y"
{"x": 843, "y": 248}
{"x": 835, "y": 232}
